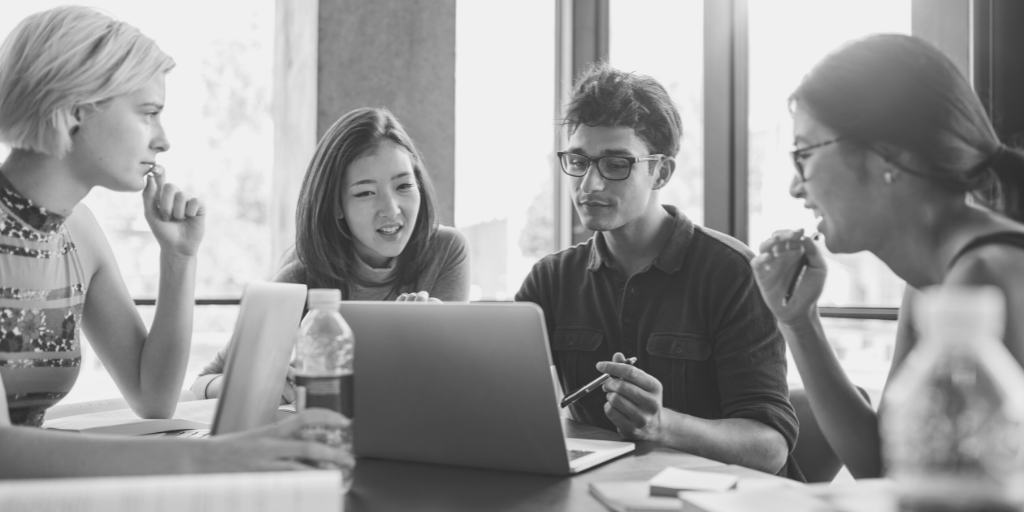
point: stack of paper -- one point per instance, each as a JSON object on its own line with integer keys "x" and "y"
{"x": 196, "y": 414}
{"x": 673, "y": 480}
{"x": 661, "y": 492}
{"x": 303, "y": 491}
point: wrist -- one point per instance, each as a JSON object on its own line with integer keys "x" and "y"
{"x": 801, "y": 319}
{"x": 174, "y": 260}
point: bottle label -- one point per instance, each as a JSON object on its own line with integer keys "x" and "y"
{"x": 330, "y": 392}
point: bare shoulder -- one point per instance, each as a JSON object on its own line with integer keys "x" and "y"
{"x": 291, "y": 272}
{"x": 995, "y": 264}
{"x": 89, "y": 239}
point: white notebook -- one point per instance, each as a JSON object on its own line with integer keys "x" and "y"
{"x": 300, "y": 491}
{"x": 197, "y": 414}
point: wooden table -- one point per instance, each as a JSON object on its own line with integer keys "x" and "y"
{"x": 383, "y": 485}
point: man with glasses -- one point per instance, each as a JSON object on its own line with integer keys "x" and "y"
{"x": 710, "y": 374}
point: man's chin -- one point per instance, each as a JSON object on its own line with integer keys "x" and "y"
{"x": 598, "y": 224}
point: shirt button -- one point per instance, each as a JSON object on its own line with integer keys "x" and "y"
{"x": 678, "y": 350}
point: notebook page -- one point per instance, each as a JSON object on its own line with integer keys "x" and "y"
{"x": 197, "y": 411}
{"x": 301, "y": 491}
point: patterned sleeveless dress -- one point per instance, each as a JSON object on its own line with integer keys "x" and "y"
{"x": 42, "y": 293}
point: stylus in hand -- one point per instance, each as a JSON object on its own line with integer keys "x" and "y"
{"x": 594, "y": 384}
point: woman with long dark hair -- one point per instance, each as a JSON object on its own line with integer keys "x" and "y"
{"x": 896, "y": 155}
{"x": 366, "y": 223}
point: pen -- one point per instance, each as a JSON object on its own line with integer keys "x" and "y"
{"x": 594, "y": 384}
{"x": 799, "y": 273}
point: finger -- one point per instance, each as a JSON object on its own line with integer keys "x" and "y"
{"x": 311, "y": 451}
{"x": 195, "y": 208}
{"x": 402, "y": 298}
{"x": 312, "y": 417}
{"x": 628, "y": 409}
{"x": 618, "y": 358}
{"x": 646, "y": 400}
{"x": 149, "y": 193}
{"x": 631, "y": 374}
{"x": 621, "y": 422}
{"x": 436, "y": 300}
{"x": 422, "y": 296}
{"x": 166, "y": 200}
{"x": 178, "y": 208}
{"x": 815, "y": 259}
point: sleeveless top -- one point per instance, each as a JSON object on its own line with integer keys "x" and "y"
{"x": 1012, "y": 238}
{"x": 42, "y": 293}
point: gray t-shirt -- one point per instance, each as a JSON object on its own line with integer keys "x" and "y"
{"x": 446, "y": 277}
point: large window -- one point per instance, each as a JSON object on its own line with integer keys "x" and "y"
{"x": 218, "y": 121}
{"x": 665, "y": 40}
{"x": 787, "y": 37}
{"x": 504, "y": 140}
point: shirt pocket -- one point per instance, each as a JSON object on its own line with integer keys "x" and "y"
{"x": 576, "y": 353}
{"x": 683, "y": 364}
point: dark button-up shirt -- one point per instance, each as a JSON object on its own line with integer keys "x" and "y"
{"x": 694, "y": 319}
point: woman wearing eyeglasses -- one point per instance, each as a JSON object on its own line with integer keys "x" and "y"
{"x": 896, "y": 155}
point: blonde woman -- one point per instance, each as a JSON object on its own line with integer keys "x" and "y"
{"x": 80, "y": 102}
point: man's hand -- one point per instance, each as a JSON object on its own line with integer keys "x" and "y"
{"x": 634, "y": 400}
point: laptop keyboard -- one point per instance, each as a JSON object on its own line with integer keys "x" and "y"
{"x": 575, "y": 454}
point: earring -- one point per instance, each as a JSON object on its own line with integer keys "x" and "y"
{"x": 888, "y": 177}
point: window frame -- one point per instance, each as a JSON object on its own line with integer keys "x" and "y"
{"x": 584, "y": 38}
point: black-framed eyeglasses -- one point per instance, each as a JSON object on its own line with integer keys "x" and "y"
{"x": 613, "y": 168}
{"x": 799, "y": 154}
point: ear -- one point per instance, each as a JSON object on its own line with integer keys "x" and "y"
{"x": 663, "y": 172}
{"x": 76, "y": 124}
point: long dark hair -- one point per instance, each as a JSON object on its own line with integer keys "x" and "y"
{"x": 323, "y": 241}
{"x": 893, "y": 92}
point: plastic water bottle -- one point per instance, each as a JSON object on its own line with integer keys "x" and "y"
{"x": 953, "y": 417}
{"x": 323, "y": 363}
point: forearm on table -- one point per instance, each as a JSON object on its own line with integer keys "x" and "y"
{"x": 846, "y": 419}
{"x": 28, "y": 452}
{"x": 740, "y": 441}
{"x": 166, "y": 350}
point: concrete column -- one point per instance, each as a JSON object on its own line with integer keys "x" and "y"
{"x": 398, "y": 54}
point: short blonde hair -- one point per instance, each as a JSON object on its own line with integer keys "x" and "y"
{"x": 57, "y": 61}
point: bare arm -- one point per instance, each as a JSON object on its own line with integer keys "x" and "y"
{"x": 149, "y": 368}
{"x": 848, "y": 422}
{"x": 634, "y": 406}
{"x": 27, "y": 452}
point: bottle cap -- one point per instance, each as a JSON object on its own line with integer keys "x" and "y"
{"x": 323, "y": 297}
{"x": 944, "y": 312}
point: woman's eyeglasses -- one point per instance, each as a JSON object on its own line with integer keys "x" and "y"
{"x": 799, "y": 154}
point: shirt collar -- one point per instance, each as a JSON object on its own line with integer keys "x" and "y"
{"x": 669, "y": 259}
{"x": 35, "y": 216}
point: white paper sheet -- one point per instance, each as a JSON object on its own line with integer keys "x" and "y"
{"x": 302, "y": 491}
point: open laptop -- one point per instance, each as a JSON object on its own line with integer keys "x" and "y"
{"x": 258, "y": 355}
{"x": 462, "y": 384}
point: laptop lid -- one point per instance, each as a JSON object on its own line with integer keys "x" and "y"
{"x": 258, "y": 355}
{"x": 460, "y": 384}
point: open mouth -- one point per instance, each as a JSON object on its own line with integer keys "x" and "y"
{"x": 390, "y": 230}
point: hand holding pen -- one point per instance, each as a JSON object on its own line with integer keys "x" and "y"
{"x": 594, "y": 384}
{"x": 790, "y": 272}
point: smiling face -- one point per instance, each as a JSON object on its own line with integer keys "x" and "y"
{"x": 381, "y": 201}
{"x": 606, "y": 205}
{"x": 118, "y": 140}
{"x": 840, "y": 187}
